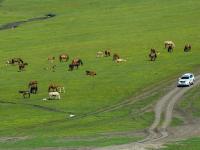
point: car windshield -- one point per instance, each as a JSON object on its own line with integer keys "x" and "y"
{"x": 185, "y": 77}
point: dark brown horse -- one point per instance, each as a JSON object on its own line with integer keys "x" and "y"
{"x": 152, "y": 54}
{"x": 107, "y": 53}
{"x": 90, "y": 73}
{"x": 63, "y": 58}
{"x": 75, "y": 64}
{"x": 115, "y": 57}
{"x": 33, "y": 87}
{"x": 187, "y": 48}
{"x": 22, "y": 66}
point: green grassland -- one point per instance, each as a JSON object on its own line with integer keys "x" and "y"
{"x": 190, "y": 144}
{"x": 80, "y": 29}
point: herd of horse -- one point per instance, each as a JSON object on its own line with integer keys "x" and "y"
{"x": 169, "y": 45}
{"x": 54, "y": 90}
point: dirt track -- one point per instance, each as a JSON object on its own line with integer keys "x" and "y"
{"x": 159, "y": 132}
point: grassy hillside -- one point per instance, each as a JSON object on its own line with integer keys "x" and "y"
{"x": 81, "y": 28}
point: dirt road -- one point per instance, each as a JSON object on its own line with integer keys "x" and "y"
{"x": 158, "y": 131}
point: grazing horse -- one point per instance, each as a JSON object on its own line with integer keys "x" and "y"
{"x": 33, "y": 87}
{"x": 15, "y": 61}
{"x": 56, "y": 88}
{"x": 63, "y": 58}
{"x": 54, "y": 95}
{"x": 22, "y": 66}
{"x": 107, "y": 53}
{"x": 169, "y": 43}
{"x": 187, "y": 48}
{"x": 115, "y": 57}
{"x": 99, "y": 54}
{"x": 26, "y": 94}
{"x": 75, "y": 64}
{"x": 90, "y": 73}
{"x": 153, "y": 54}
{"x": 51, "y": 59}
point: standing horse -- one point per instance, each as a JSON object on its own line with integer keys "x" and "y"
{"x": 75, "y": 64}
{"x": 187, "y": 48}
{"x": 22, "y": 66}
{"x": 99, "y": 54}
{"x": 63, "y": 58}
{"x": 33, "y": 87}
{"x": 107, "y": 53}
{"x": 153, "y": 54}
{"x": 169, "y": 43}
{"x": 170, "y": 48}
{"x": 115, "y": 57}
{"x": 56, "y": 88}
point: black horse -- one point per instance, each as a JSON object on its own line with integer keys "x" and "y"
{"x": 75, "y": 64}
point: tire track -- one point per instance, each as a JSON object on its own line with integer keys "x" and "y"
{"x": 158, "y": 129}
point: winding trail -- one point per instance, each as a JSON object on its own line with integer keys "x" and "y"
{"x": 158, "y": 131}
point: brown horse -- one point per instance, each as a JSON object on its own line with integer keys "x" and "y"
{"x": 63, "y": 58}
{"x": 33, "y": 87}
{"x": 90, "y": 73}
{"x": 153, "y": 54}
{"x": 187, "y": 48}
{"x": 115, "y": 57}
{"x": 22, "y": 66}
{"x": 75, "y": 64}
{"x": 56, "y": 88}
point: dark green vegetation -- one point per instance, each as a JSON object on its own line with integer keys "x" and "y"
{"x": 81, "y": 28}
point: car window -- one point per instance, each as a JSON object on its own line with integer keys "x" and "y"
{"x": 185, "y": 77}
{"x": 190, "y": 76}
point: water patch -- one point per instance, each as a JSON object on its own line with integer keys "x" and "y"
{"x": 13, "y": 25}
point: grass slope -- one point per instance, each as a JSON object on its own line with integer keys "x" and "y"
{"x": 81, "y": 28}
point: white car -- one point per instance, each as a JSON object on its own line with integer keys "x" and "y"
{"x": 186, "y": 80}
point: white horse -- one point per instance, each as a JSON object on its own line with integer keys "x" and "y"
{"x": 54, "y": 95}
{"x": 169, "y": 43}
{"x": 100, "y": 54}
